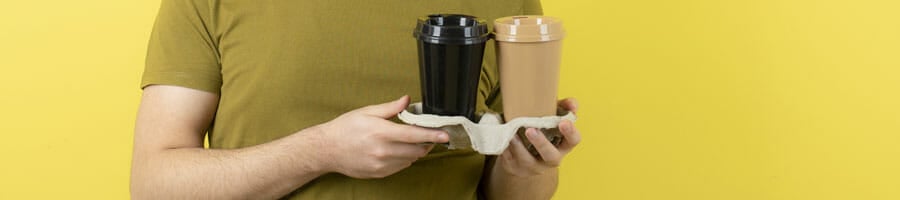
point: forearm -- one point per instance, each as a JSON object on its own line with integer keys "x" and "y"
{"x": 265, "y": 171}
{"x": 502, "y": 185}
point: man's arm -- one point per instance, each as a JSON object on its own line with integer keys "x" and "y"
{"x": 516, "y": 174}
{"x": 170, "y": 162}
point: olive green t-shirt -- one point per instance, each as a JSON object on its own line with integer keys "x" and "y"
{"x": 281, "y": 66}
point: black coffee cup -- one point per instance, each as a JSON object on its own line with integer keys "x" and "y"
{"x": 451, "y": 48}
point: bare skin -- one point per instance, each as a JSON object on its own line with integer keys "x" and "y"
{"x": 519, "y": 175}
{"x": 169, "y": 161}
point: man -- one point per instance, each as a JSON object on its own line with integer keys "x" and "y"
{"x": 281, "y": 87}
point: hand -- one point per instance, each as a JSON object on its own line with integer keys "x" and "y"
{"x": 362, "y": 144}
{"x": 518, "y": 162}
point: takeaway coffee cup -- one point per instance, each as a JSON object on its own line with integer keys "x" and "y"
{"x": 451, "y": 48}
{"x": 528, "y": 55}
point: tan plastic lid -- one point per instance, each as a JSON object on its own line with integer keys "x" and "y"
{"x": 528, "y": 28}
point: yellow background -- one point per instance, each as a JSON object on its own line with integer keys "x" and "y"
{"x": 693, "y": 99}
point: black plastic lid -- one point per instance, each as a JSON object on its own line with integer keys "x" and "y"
{"x": 451, "y": 29}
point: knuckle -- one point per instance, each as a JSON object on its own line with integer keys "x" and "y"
{"x": 408, "y": 136}
{"x": 370, "y": 138}
{"x": 363, "y": 123}
{"x": 526, "y": 162}
{"x": 377, "y": 167}
{"x": 375, "y": 136}
{"x": 379, "y": 153}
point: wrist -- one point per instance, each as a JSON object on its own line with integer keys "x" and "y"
{"x": 507, "y": 185}
{"x": 309, "y": 152}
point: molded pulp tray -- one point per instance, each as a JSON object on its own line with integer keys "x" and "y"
{"x": 489, "y": 136}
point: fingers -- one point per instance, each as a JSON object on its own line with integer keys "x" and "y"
{"x": 569, "y": 104}
{"x": 406, "y": 151}
{"x": 519, "y": 152}
{"x": 414, "y": 135}
{"x": 571, "y": 136}
{"x": 548, "y": 152}
{"x": 386, "y": 110}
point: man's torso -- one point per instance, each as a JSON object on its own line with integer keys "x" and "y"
{"x": 288, "y": 65}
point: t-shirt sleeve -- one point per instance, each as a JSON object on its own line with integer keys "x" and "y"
{"x": 182, "y": 51}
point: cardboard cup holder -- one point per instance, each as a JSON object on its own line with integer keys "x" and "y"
{"x": 490, "y": 136}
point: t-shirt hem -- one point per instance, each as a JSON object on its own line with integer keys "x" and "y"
{"x": 183, "y": 79}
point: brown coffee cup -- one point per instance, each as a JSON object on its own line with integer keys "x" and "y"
{"x": 528, "y": 54}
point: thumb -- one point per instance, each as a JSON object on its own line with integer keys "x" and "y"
{"x": 386, "y": 110}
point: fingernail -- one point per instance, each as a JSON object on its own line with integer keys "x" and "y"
{"x": 531, "y": 133}
{"x": 443, "y": 136}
